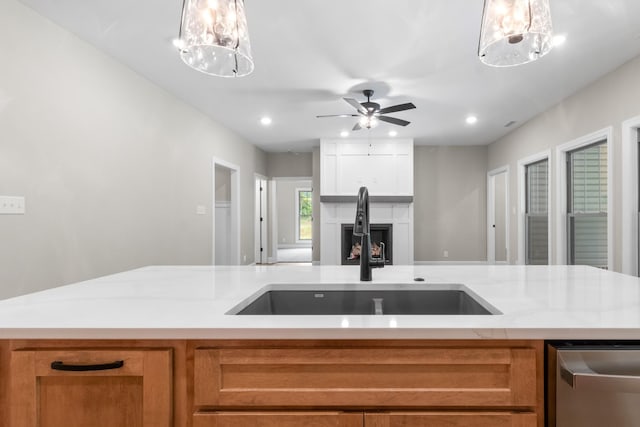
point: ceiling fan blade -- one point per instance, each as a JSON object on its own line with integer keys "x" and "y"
{"x": 355, "y": 104}
{"x": 357, "y": 126}
{"x": 340, "y": 115}
{"x": 399, "y": 107}
{"x": 393, "y": 121}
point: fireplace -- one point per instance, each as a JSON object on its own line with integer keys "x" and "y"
{"x": 379, "y": 233}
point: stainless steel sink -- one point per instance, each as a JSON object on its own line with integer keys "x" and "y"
{"x": 390, "y": 299}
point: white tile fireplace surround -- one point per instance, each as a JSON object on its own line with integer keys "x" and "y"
{"x": 385, "y": 167}
{"x": 333, "y": 215}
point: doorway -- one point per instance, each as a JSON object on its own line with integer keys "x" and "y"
{"x": 226, "y": 216}
{"x": 291, "y": 203}
{"x": 498, "y": 216}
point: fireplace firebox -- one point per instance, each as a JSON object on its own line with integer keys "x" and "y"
{"x": 350, "y": 247}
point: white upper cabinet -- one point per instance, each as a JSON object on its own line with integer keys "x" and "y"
{"x": 384, "y": 166}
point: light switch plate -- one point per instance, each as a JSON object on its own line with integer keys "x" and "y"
{"x": 201, "y": 210}
{"x": 12, "y": 205}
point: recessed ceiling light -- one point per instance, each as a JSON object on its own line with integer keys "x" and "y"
{"x": 393, "y": 133}
{"x": 344, "y": 134}
{"x": 471, "y": 120}
{"x": 559, "y": 39}
{"x": 266, "y": 121}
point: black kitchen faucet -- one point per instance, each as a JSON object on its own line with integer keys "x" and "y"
{"x": 361, "y": 228}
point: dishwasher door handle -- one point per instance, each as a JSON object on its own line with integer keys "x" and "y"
{"x": 576, "y": 372}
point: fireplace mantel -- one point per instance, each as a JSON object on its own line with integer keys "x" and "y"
{"x": 372, "y": 199}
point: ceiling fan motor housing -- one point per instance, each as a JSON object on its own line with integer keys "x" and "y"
{"x": 372, "y": 107}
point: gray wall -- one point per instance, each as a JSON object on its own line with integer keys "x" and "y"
{"x": 450, "y": 203}
{"x": 112, "y": 166}
{"x": 286, "y": 205}
{"x": 607, "y": 102}
{"x": 289, "y": 165}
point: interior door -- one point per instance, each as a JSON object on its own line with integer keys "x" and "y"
{"x": 261, "y": 219}
{"x": 497, "y": 217}
{"x": 499, "y": 221}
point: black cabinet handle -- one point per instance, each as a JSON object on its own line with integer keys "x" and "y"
{"x": 61, "y": 366}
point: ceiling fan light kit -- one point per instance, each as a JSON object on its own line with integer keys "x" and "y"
{"x": 214, "y": 38}
{"x": 515, "y": 32}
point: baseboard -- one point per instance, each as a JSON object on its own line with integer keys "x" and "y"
{"x": 450, "y": 263}
{"x": 294, "y": 246}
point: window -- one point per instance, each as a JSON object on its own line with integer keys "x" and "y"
{"x": 587, "y": 205}
{"x": 537, "y": 213}
{"x": 303, "y": 217}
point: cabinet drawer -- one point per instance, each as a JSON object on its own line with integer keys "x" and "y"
{"x": 451, "y": 419}
{"x": 98, "y": 388}
{"x": 366, "y": 377}
{"x": 278, "y": 419}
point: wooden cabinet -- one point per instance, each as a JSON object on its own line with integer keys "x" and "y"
{"x": 436, "y": 384}
{"x": 278, "y": 419}
{"x": 97, "y": 388}
{"x": 451, "y": 419}
{"x": 366, "y": 377}
{"x": 262, "y": 383}
{"x": 357, "y": 419}
{"x": 384, "y": 166}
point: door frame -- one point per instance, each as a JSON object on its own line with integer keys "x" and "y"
{"x": 234, "y": 258}
{"x": 561, "y": 191}
{"x": 491, "y": 234}
{"x": 522, "y": 202}
{"x": 630, "y": 160}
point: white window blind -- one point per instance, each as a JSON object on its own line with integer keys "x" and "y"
{"x": 536, "y": 216}
{"x": 587, "y": 205}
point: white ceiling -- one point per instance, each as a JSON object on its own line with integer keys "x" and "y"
{"x": 310, "y": 53}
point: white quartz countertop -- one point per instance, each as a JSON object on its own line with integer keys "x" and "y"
{"x": 190, "y": 302}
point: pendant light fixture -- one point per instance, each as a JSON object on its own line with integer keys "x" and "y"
{"x": 515, "y": 32}
{"x": 214, "y": 38}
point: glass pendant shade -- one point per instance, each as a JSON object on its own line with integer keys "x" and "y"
{"x": 515, "y": 32}
{"x": 214, "y": 38}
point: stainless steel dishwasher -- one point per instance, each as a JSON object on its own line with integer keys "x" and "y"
{"x": 598, "y": 386}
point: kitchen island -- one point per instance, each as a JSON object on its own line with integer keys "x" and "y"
{"x": 184, "y": 362}
{"x": 550, "y": 302}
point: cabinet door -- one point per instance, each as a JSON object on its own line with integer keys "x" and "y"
{"x": 97, "y": 388}
{"x": 450, "y": 419}
{"x": 277, "y": 419}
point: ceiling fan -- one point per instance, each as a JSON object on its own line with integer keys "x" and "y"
{"x": 370, "y": 112}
